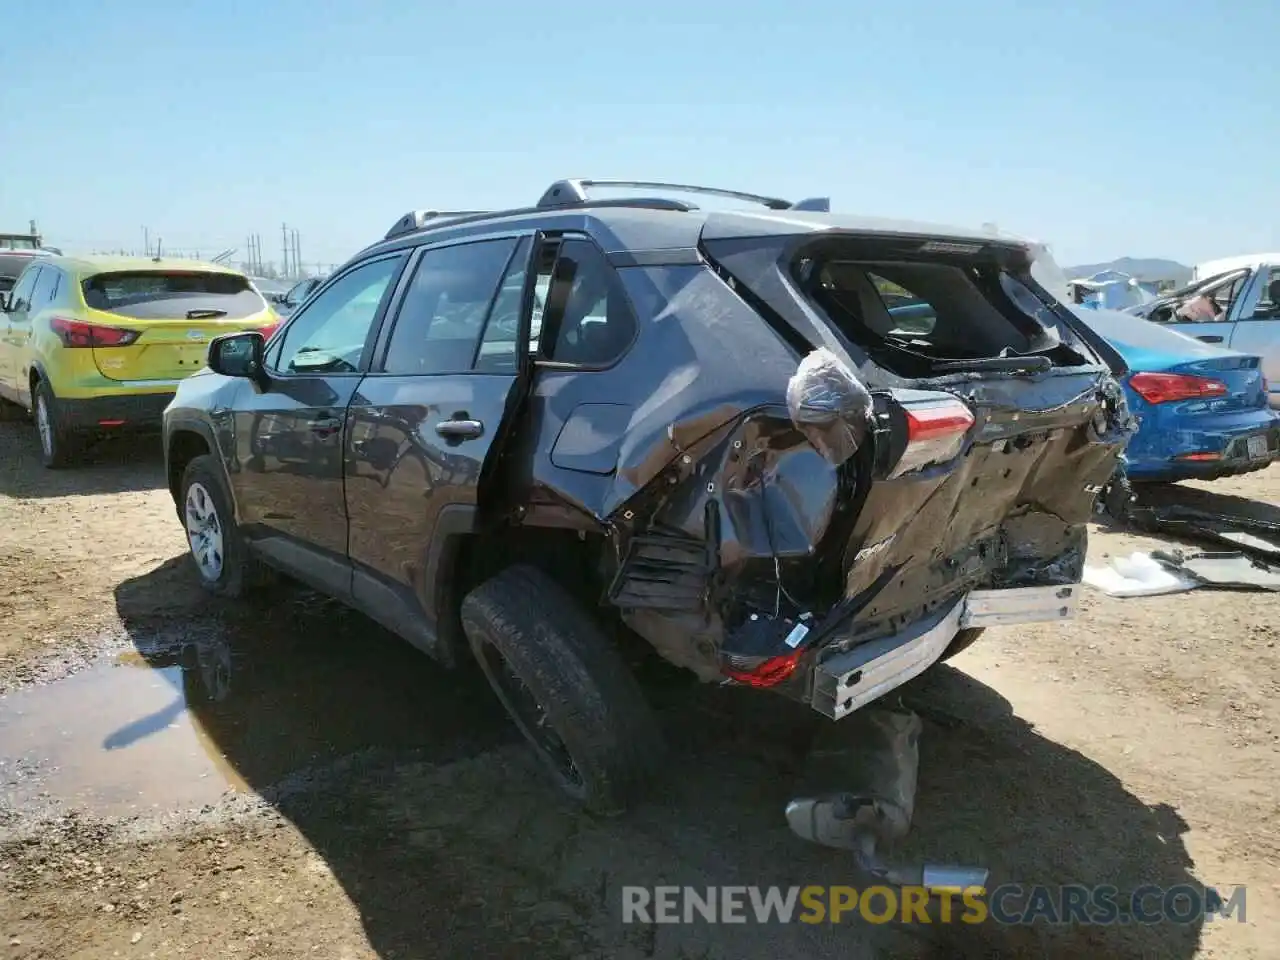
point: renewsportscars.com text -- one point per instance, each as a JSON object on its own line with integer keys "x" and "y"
{"x": 1008, "y": 904}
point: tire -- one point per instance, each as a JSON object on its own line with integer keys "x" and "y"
{"x": 961, "y": 641}
{"x": 566, "y": 687}
{"x": 219, "y": 552}
{"x": 59, "y": 447}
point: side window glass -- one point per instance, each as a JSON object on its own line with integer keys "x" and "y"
{"x": 498, "y": 351}
{"x": 440, "y": 320}
{"x": 21, "y": 297}
{"x": 588, "y": 308}
{"x": 329, "y": 335}
{"x": 1213, "y": 304}
{"x": 910, "y": 314}
{"x": 1268, "y": 305}
{"x": 44, "y": 289}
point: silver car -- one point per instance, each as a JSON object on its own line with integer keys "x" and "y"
{"x": 1236, "y": 305}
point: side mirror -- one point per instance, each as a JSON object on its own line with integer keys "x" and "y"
{"x": 238, "y": 355}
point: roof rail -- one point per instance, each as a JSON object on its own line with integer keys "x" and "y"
{"x": 568, "y": 193}
{"x": 417, "y": 219}
{"x": 816, "y": 204}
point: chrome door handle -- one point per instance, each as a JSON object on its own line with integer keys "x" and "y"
{"x": 460, "y": 429}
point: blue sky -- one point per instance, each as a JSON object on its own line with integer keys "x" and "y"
{"x": 1066, "y": 122}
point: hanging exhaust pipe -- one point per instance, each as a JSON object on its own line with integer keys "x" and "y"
{"x": 876, "y": 763}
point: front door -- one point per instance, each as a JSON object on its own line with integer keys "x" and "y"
{"x": 1257, "y": 331}
{"x": 1211, "y": 313}
{"x": 429, "y": 415}
{"x": 287, "y": 471}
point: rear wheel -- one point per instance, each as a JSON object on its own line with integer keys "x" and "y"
{"x": 565, "y": 686}
{"x": 961, "y": 641}
{"x": 218, "y": 549}
{"x": 59, "y": 447}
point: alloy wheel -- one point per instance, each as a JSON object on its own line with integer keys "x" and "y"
{"x": 204, "y": 531}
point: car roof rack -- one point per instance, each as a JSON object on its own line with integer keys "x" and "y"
{"x": 568, "y": 193}
{"x": 415, "y": 220}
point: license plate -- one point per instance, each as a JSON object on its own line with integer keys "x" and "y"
{"x": 1258, "y": 448}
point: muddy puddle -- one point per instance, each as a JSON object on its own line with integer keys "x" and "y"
{"x": 233, "y": 703}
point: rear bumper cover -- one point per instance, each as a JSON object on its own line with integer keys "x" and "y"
{"x": 1234, "y": 459}
{"x": 141, "y": 411}
{"x": 851, "y": 680}
{"x": 1154, "y": 454}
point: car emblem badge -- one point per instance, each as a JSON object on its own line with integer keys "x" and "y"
{"x": 195, "y": 334}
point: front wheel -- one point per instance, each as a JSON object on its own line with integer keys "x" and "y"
{"x": 218, "y": 549}
{"x": 565, "y": 685}
{"x": 59, "y": 447}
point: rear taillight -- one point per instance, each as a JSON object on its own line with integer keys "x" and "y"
{"x": 936, "y": 431}
{"x": 1167, "y": 387}
{"x": 268, "y": 330}
{"x": 764, "y": 673}
{"x": 77, "y": 333}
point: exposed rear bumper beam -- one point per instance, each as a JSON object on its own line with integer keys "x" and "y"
{"x": 851, "y": 680}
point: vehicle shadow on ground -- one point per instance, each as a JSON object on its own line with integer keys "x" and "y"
{"x": 110, "y": 465}
{"x": 1210, "y": 501}
{"x": 415, "y": 791}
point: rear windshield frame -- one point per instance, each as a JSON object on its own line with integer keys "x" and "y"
{"x": 1017, "y": 313}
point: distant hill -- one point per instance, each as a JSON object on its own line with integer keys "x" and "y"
{"x": 1137, "y": 267}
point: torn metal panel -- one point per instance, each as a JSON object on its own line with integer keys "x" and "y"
{"x": 1232, "y": 571}
{"x": 1257, "y": 537}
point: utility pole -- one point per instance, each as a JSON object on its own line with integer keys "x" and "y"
{"x": 146, "y": 241}
{"x": 284, "y": 247}
{"x": 297, "y": 252}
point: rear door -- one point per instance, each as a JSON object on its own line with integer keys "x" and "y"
{"x": 13, "y": 331}
{"x": 1257, "y": 331}
{"x": 44, "y": 295}
{"x": 431, "y": 412}
{"x": 160, "y": 321}
{"x": 287, "y": 464}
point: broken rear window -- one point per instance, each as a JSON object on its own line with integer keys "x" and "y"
{"x": 913, "y": 315}
{"x": 148, "y": 294}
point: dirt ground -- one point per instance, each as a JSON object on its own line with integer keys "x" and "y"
{"x": 321, "y": 790}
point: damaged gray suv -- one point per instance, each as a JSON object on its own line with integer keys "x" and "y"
{"x": 790, "y": 449}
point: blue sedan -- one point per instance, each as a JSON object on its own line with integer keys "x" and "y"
{"x": 1203, "y": 410}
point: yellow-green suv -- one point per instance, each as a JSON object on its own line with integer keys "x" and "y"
{"x": 99, "y": 344}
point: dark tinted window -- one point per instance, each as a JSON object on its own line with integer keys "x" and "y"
{"x": 440, "y": 320}
{"x": 329, "y": 334}
{"x": 160, "y": 294}
{"x": 586, "y": 308}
